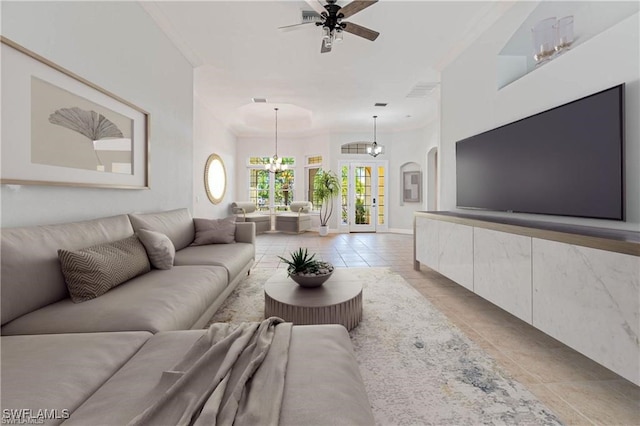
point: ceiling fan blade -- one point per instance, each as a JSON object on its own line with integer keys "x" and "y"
{"x": 324, "y": 48}
{"x": 296, "y": 26}
{"x": 361, "y": 31}
{"x": 356, "y": 6}
{"x": 317, "y": 6}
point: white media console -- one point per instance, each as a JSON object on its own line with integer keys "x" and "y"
{"x": 577, "y": 284}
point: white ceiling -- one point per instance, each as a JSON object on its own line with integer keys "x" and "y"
{"x": 239, "y": 53}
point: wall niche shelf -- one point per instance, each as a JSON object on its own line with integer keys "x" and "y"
{"x": 515, "y": 60}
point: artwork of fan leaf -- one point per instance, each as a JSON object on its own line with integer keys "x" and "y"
{"x": 88, "y": 123}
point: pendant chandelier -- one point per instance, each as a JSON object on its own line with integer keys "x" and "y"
{"x": 275, "y": 163}
{"x": 374, "y": 150}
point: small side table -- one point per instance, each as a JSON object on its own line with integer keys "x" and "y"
{"x": 337, "y": 301}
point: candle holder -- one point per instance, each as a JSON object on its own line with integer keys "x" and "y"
{"x": 544, "y": 40}
{"x": 564, "y": 34}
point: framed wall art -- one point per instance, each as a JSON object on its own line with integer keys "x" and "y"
{"x": 60, "y": 129}
{"x": 412, "y": 187}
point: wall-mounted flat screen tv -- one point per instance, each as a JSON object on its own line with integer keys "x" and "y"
{"x": 566, "y": 161}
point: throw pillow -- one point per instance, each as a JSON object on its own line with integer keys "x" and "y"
{"x": 92, "y": 271}
{"x": 160, "y": 249}
{"x": 214, "y": 231}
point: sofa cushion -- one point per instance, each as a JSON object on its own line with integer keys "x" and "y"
{"x": 175, "y": 224}
{"x": 240, "y": 207}
{"x": 321, "y": 355}
{"x": 59, "y": 372}
{"x": 214, "y": 231}
{"x": 159, "y": 248}
{"x": 138, "y": 377}
{"x": 156, "y": 301}
{"x": 92, "y": 271}
{"x": 233, "y": 257}
{"x": 293, "y": 217}
{"x": 301, "y": 206}
{"x": 31, "y": 274}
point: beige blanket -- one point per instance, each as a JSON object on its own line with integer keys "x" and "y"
{"x": 234, "y": 374}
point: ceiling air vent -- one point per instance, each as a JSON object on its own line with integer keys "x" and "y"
{"x": 310, "y": 16}
{"x": 422, "y": 90}
{"x": 380, "y": 104}
{"x": 259, "y": 100}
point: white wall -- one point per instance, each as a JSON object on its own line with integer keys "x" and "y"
{"x": 117, "y": 46}
{"x": 210, "y": 137}
{"x": 410, "y": 147}
{"x": 471, "y": 102}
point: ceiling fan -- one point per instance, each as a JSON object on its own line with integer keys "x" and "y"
{"x": 330, "y": 17}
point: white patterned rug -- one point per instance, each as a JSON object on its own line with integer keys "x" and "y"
{"x": 418, "y": 368}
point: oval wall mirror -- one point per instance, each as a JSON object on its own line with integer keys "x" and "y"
{"x": 215, "y": 178}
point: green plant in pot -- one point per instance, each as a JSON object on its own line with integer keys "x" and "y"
{"x": 305, "y": 270}
{"x": 326, "y": 187}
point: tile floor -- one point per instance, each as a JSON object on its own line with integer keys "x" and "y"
{"x": 579, "y": 390}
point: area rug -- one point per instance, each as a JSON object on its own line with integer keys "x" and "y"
{"x": 418, "y": 367}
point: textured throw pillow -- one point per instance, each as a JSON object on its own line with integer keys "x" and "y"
{"x": 160, "y": 249}
{"x": 214, "y": 231}
{"x": 92, "y": 271}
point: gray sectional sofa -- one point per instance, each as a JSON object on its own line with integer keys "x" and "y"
{"x": 35, "y": 299}
{"x": 96, "y": 362}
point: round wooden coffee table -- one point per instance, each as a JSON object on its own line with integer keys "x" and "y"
{"x": 337, "y": 301}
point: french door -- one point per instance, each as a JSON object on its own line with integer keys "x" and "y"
{"x": 363, "y": 196}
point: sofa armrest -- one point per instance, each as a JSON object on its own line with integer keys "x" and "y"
{"x": 246, "y": 232}
{"x": 240, "y": 210}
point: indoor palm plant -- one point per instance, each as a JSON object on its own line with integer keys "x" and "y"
{"x": 305, "y": 270}
{"x": 326, "y": 186}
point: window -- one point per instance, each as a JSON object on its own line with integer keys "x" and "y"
{"x": 311, "y": 175}
{"x": 265, "y": 187}
{"x": 313, "y": 164}
{"x": 344, "y": 203}
{"x": 283, "y": 194}
{"x": 317, "y": 159}
{"x": 355, "y": 148}
{"x": 259, "y": 188}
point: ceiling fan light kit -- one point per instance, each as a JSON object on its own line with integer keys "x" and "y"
{"x": 331, "y": 20}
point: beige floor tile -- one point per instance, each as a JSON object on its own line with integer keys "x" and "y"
{"x": 513, "y": 338}
{"x": 272, "y": 263}
{"x": 436, "y": 289}
{"x": 262, "y": 265}
{"x": 568, "y": 414}
{"x": 626, "y": 388}
{"x": 555, "y": 365}
{"x": 356, "y": 263}
{"x": 464, "y": 301}
{"x": 596, "y": 401}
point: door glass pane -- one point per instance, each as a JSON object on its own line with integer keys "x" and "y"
{"x": 311, "y": 176}
{"x": 363, "y": 195}
{"x": 381, "y": 198}
{"x": 344, "y": 191}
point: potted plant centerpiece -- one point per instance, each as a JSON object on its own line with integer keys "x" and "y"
{"x": 326, "y": 186}
{"x": 305, "y": 270}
